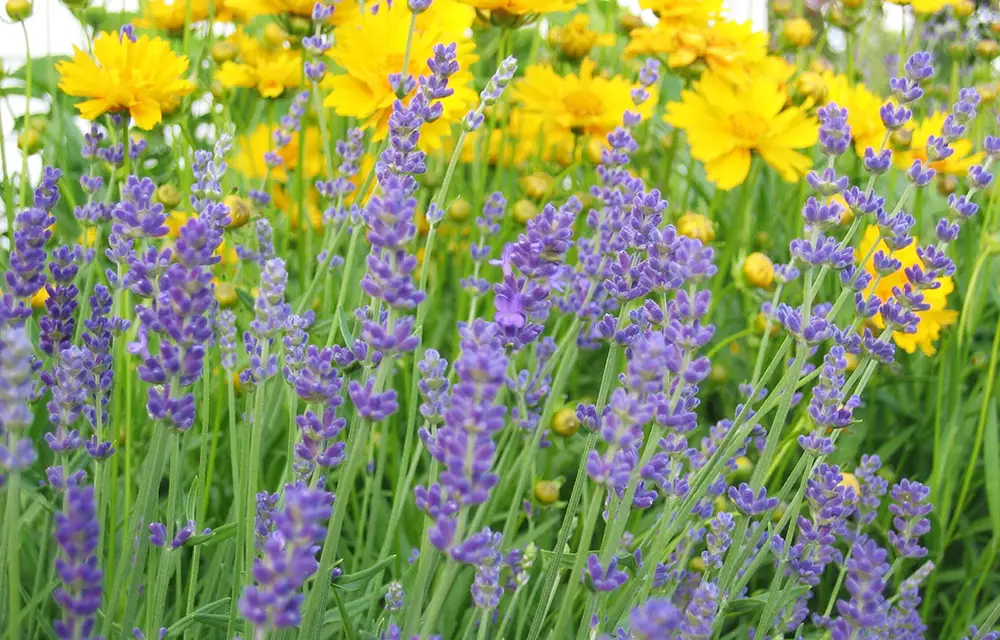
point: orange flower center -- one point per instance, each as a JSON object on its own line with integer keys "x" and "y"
{"x": 748, "y": 127}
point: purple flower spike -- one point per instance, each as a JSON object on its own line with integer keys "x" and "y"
{"x": 747, "y": 503}
{"x": 910, "y": 509}
{"x": 602, "y": 580}
{"x": 77, "y": 532}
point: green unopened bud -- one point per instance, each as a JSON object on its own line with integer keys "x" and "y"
{"x": 95, "y": 15}
{"x": 29, "y": 141}
{"x": 19, "y": 10}
{"x": 168, "y": 196}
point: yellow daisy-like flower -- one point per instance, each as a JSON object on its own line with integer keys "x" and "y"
{"x": 862, "y": 107}
{"x": 684, "y": 12}
{"x": 957, "y": 164}
{"x": 373, "y": 47}
{"x": 249, "y": 159}
{"x": 726, "y": 124}
{"x": 932, "y": 320}
{"x": 927, "y": 7}
{"x": 143, "y": 78}
{"x": 523, "y": 7}
{"x": 728, "y": 48}
{"x": 574, "y": 105}
{"x": 576, "y": 39}
{"x": 269, "y": 71}
{"x": 172, "y": 15}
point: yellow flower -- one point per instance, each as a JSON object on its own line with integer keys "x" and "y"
{"x": 371, "y": 48}
{"x": 684, "y": 12}
{"x": 957, "y": 164}
{"x": 283, "y": 202}
{"x": 572, "y": 105}
{"x": 249, "y": 159}
{"x": 927, "y": 7}
{"x": 524, "y": 7}
{"x": 932, "y": 320}
{"x": 172, "y": 15}
{"x": 270, "y": 72}
{"x": 144, "y": 78}
{"x": 862, "y": 107}
{"x": 576, "y": 39}
{"x": 248, "y": 9}
{"x": 726, "y": 124}
{"x": 728, "y": 48}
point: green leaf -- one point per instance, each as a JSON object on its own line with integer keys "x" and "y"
{"x": 358, "y": 580}
{"x": 756, "y": 604}
{"x": 345, "y": 616}
{"x": 223, "y": 533}
{"x": 991, "y": 464}
{"x": 191, "y": 619}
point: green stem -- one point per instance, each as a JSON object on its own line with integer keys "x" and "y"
{"x": 129, "y": 570}
{"x": 12, "y": 520}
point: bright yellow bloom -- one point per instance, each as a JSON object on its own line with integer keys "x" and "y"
{"x": 269, "y": 71}
{"x": 576, "y": 39}
{"x": 730, "y": 49}
{"x": 932, "y": 320}
{"x": 372, "y": 48}
{"x": 725, "y": 124}
{"x": 144, "y": 78}
{"x": 171, "y": 16}
{"x": 927, "y": 7}
{"x": 524, "y": 7}
{"x": 249, "y": 9}
{"x": 249, "y": 159}
{"x": 957, "y": 164}
{"x": 582, "y": 104}
{"x": 684, "y": 12}
{"x": 862, "y": 107}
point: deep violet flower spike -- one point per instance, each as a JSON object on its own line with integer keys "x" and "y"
{"x": 288, "y": 559}
{"x": 79, "y": 594}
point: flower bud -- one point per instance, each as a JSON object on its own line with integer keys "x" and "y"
{"x": 168, "y": 196}
{"x": 224, "y": 51}
{"x": 958, "y": 50}
{"x": 30, "y": 141}
{"x": 537, "y": 185}
{"x": 810, "y": 86}
{"x": 901, "y": 139}
{"x": 744, "y": 467}
{"x": 565, "y": 423}
{"x": 75, "y": 4}
{"x": 629, "y": 22}
{"x": 964, "y": 8}
{"x": 274, "y": 35}
{"x": 697, "y": 564}
{"x": 760, "y": 324}
{"x": 758, "y": 270}
{"x": 239, "y": 211}
{"x": 987, "y": 93}
{"x": 95, "y": 15}
{"x": 696, "y": 226}
{"x": 546, "y": 491}
{"x": 217, "y": 90}
{"x": 524, "y": 210}
{"x": 225, "y": 293}
{"x": 459, "y": 209}
{"x": 718, "y": 373}
{"x": 299, "y": 26}
{"x": 852, "y": 4}
{"x": 987, "y": 49}
{"x": 852, "y": 362}
{"x": 946, "y": 184}
{"x": 798, "y": 32}
{"x": 781, "y": 8}
{"x": 19, "y": 10}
